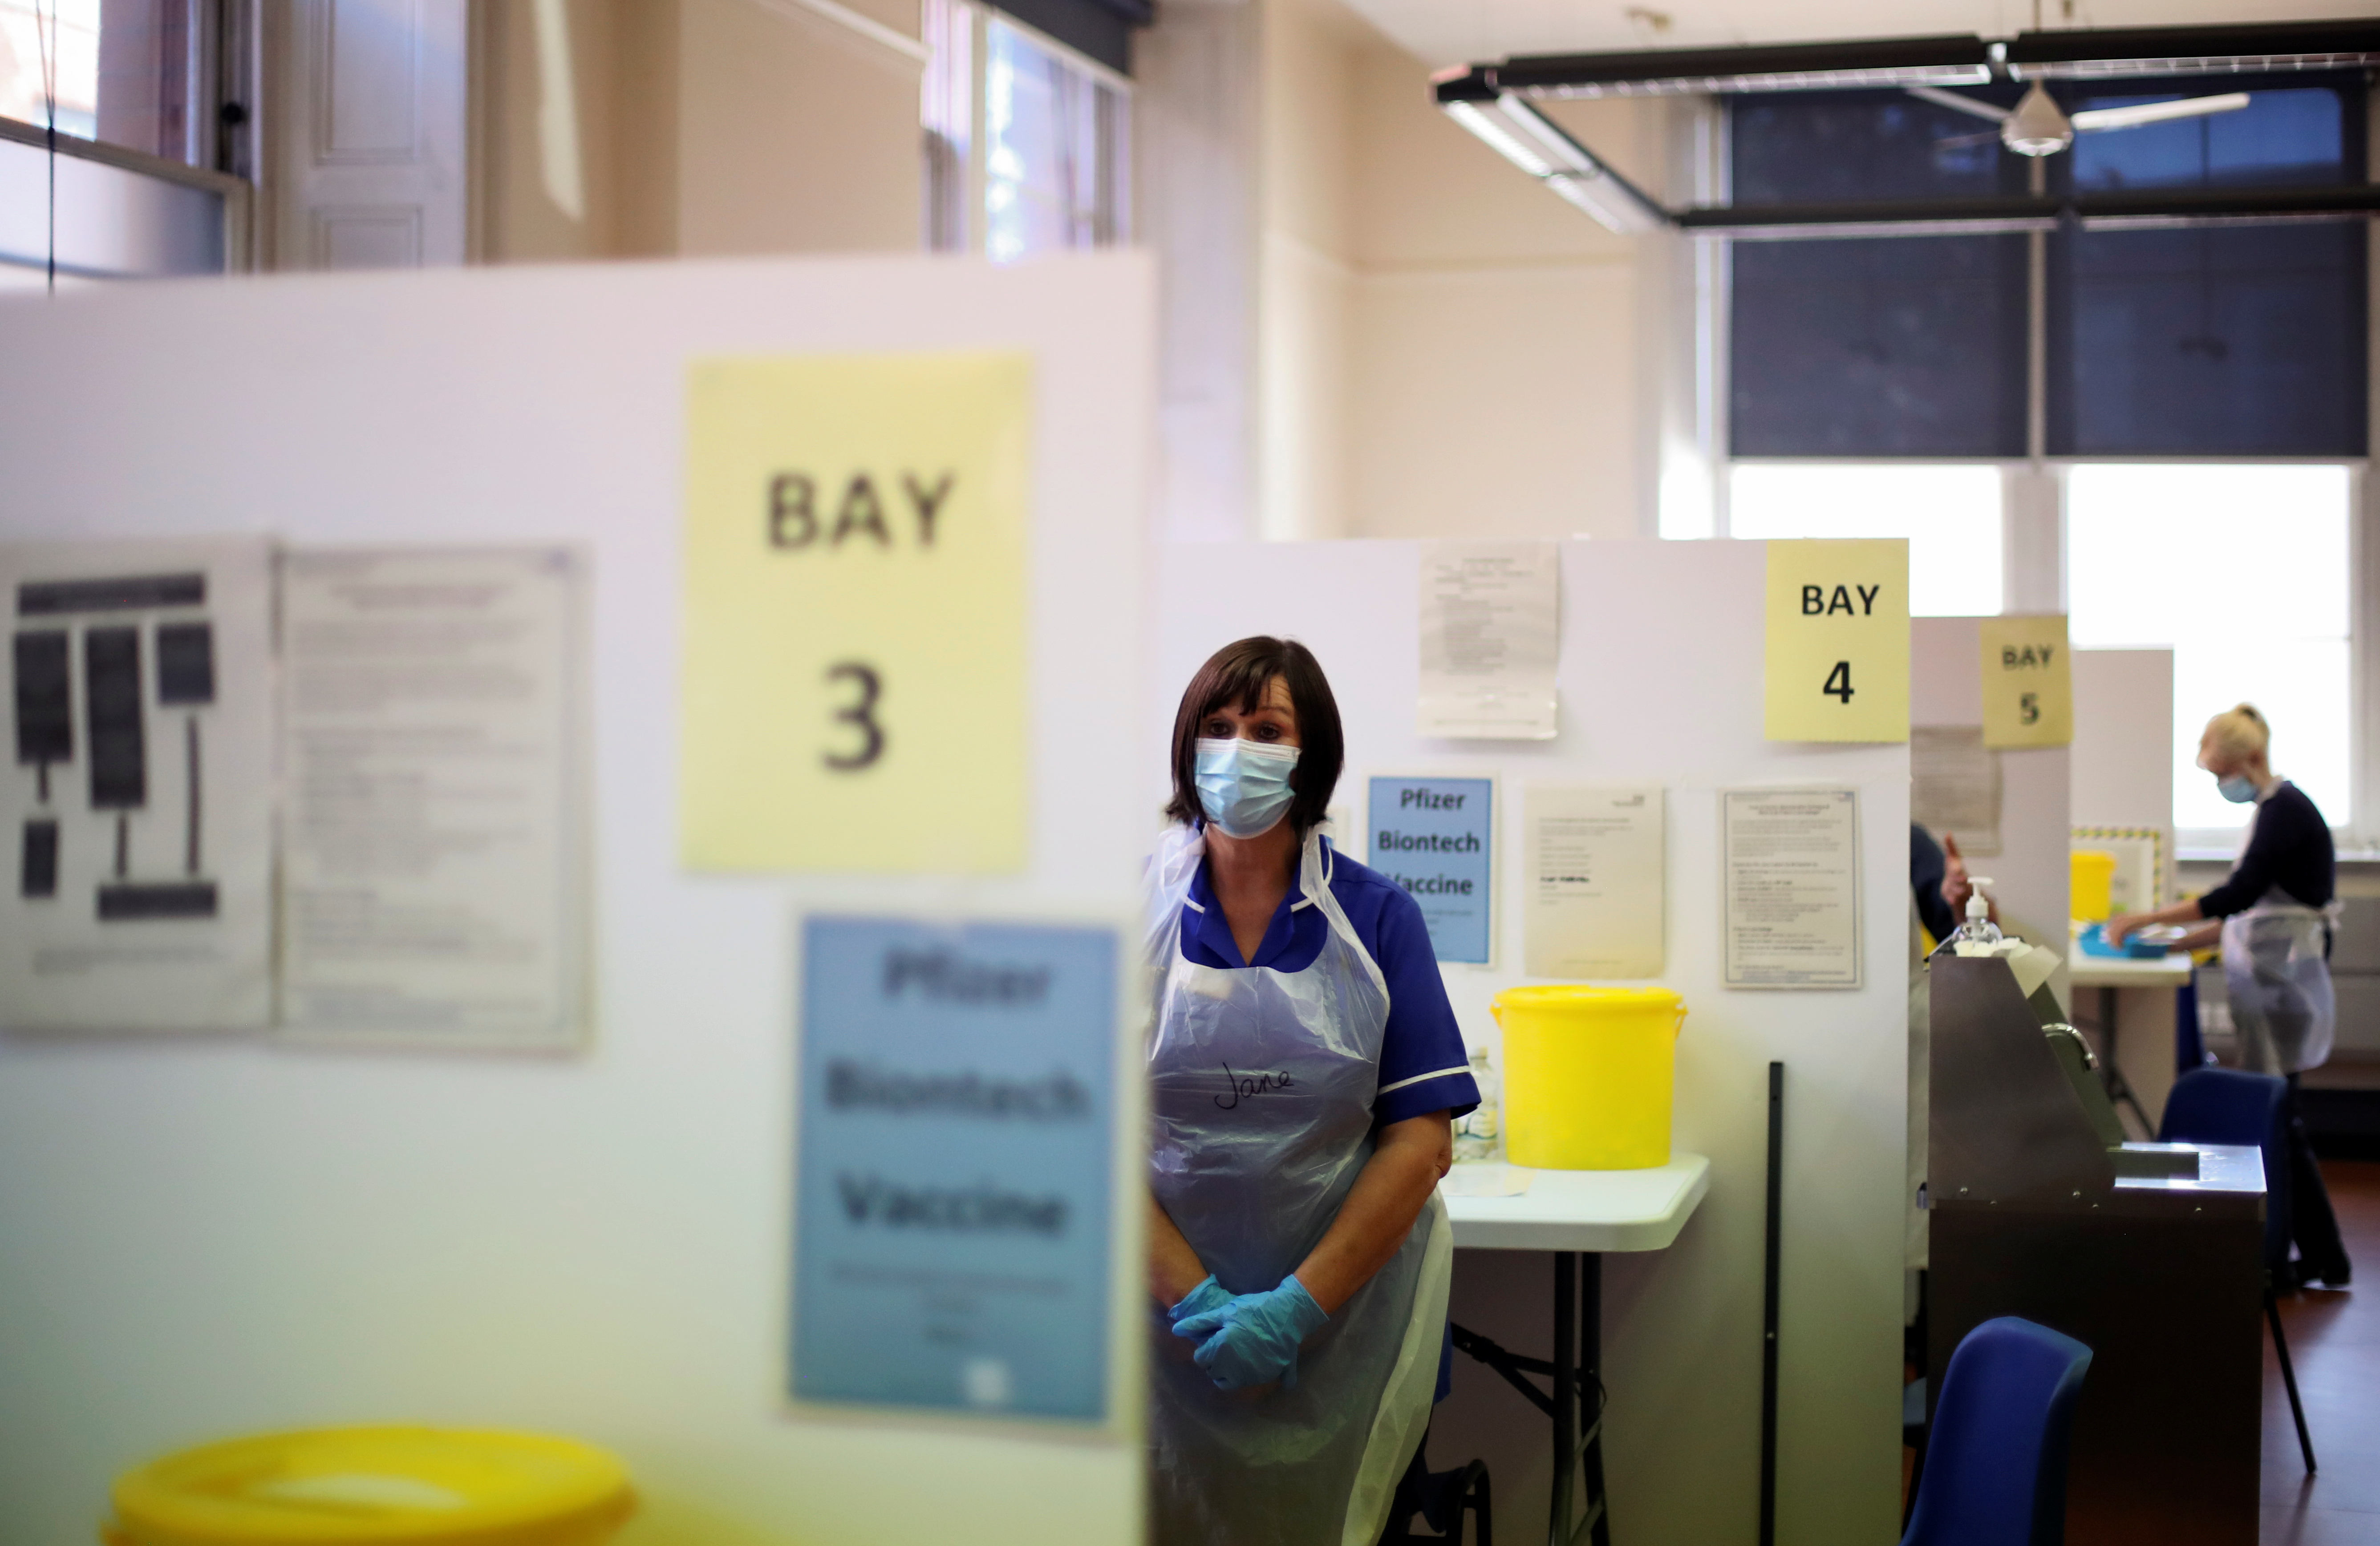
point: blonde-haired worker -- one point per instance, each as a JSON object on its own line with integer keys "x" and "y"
{"x": 2273, "y": 916}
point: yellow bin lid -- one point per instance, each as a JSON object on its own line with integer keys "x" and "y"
{"x": 1564, "y": 995}
{"x": 390, "y": 1486}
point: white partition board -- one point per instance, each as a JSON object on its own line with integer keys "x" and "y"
{"x": 2030, "y": 873}
{"x": 2123, "y": 740}
{"x": 205, "y": 1239}
{"x": 1661, "y": 681}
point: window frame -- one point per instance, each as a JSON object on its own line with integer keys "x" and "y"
{"x": 956, "y": 218}
{"x": 225, "y": 64}
{"x": 2034, "y": 520}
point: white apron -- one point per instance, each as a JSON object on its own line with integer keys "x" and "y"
{"x": 2282, "y": 1008}
{"x": 1261, "y": 1085}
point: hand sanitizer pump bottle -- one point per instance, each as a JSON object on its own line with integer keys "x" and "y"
{"x": 1480, "y": 1135}
{"x": 1978, "y": 935}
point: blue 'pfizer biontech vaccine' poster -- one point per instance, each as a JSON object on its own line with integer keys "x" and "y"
{"x": 1435, "y": 837}
{"x": 954, "y": 1176}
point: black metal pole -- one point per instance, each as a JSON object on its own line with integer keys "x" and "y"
{"x": 1565, "y": 1393}
{"x": 1768, "y": 1308}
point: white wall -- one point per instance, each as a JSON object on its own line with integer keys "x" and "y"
{"x": 2123, "y": 740}
{"x": 1681, "y": 1326}
{"x": 1376, "y": 327}
{"x": 1495, "y": 382}
{"x": 211, "y": 1238}
{"x": 699, "y": 127}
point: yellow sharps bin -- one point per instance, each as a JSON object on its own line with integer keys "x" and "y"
{"x": 2091, "y": 884}
{"x": 388, "y": 1486}
{"x": 1588, "y": 1075}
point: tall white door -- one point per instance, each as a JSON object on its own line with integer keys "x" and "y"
{"x": 369, "y": 133}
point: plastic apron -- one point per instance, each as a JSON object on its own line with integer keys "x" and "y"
{"x": 1261, "y": 1085}
{"x": 2282, "y": 1008}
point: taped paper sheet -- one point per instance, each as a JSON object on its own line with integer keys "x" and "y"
{"x": 1792, "y": 884}
{"x": 953, "y": 1192}
{"x": 139, "y": 799}
{"x": 1436, "y": 838}
{"x": 1490, "y": 630}
{"x": 1594, "y": 901}
{"x": 433, "y": 833}
{"x": 1954, "y": 786}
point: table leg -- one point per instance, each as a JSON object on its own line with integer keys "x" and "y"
{"x": 1578, "y": 1401}
{"x": 1590, "y": 1394}
{"x": 2111, "y": 1073}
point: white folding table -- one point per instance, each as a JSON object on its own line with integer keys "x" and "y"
{"x": 1578, "y": 1215}
{"x": 2108, "y": 974}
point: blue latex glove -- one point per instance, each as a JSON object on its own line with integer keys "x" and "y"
{"x": 1208, "y": 1295}
{"x": 1252, "y": 1340}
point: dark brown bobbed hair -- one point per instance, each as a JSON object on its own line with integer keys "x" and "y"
{"x": 1238, "y": 674}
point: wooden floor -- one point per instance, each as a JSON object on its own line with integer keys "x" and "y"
{"x": 2335, "y": 1342}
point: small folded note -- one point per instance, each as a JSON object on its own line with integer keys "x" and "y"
{"x": 1485, "y": 1179}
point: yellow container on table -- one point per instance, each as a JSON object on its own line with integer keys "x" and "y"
{"x": 1588, "y": 1075}
{"x": 2090, "y": 883}
{"x": 388, "y": 1486}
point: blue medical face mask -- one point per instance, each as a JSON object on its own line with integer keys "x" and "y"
{"x": 1243, "y": 785}
{"x": 2238, "y": 789}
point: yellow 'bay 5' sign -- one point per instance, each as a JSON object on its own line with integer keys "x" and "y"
{"x": 1838, "y": 659}
{"x": 2028, "y": 682}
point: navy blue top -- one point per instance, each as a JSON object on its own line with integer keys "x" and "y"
{"x": 2291, "y": 849}
{"x": 1422, "y": 1065}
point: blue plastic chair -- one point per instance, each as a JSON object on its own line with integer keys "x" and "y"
{"x": 2229, "y": 1106}
{"x": 1996, "y": 1468}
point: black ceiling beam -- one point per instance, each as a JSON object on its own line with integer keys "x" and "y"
{"x": 1950, "y": 59}
{"x": 2252, "y": 47}
{"x": 2132, "y": 208}
{"x": 1790, "y": 66}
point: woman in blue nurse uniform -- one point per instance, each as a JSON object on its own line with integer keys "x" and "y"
{"x": 1304, "y": 1067}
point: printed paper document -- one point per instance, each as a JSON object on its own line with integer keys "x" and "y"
{"x": 1792, "y": 888}
{"x": 431, "y": 836}
{"x": 1594, "y": 903}
{"x": 1490, "y": 628}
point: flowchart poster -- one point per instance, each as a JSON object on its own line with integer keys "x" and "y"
{"x": 954, "y": 1173}
{"x": 854, "y": 653}
{"x": 138, "y": 806}
{"x": 1436, "y": 838}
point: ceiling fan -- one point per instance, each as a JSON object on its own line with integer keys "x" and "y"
{"x": 2036, "y": 126}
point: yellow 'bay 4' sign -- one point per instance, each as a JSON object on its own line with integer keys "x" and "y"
{"x": 1837, "y": 657}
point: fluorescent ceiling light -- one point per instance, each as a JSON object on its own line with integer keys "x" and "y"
{"x": 1499, "y": 139}
{"x": 1537, "y": 145}
{"x": 2100, "y": 118}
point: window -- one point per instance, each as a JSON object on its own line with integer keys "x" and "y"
{"x": 1950, "y": 514}
{"x": 2243, "y": 571}
{"x": 2245, "y": 340}
{"x": 2239, "y": 340}
{"x": 130, "y": 192}
{"x": 1900, "y": 346}
{"x": 129, "y": 73}
{"x": 1027, "y": 142}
